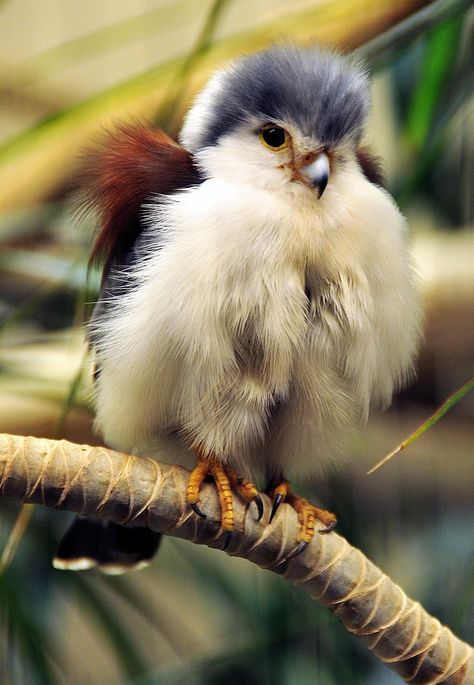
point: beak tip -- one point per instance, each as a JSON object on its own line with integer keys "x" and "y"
{"x": 322, "y": 187}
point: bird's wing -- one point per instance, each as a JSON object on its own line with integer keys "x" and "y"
{"x": 129, "y": 166}
{"x": 371, "y": 166}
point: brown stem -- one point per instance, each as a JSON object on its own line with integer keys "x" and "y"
{"x": 131, "y": 490}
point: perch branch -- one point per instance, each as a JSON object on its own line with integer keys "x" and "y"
{"x": 96, "y": 481}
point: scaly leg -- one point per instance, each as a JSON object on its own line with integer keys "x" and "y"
{"x": 307, "y": 514}
{"x": 225, "y": 479}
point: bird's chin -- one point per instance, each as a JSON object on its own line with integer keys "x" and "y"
{"x": 305, "y": 189}
{"x": 300, "y": 179}
{"x": 307, "y": 185}
{"x": 302, "y": 196}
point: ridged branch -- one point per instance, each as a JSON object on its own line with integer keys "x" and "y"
{"x": 96, "y": 481}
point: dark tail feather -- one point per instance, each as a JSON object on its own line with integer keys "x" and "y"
{"x": 113, "y": 549}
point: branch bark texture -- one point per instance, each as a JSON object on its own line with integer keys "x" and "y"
{"x": 96, "y": 481}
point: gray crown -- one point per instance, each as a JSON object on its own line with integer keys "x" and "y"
{"x": 320, "y": 92}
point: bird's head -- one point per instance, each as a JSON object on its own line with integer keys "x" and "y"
{"x": 282, "y": 116}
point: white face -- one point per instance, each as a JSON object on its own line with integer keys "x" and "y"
{"x": 273, "y": 156}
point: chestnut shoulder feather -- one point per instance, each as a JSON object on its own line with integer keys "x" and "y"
{"x": 371, "y": 166}
{"x": 129, "y": 166}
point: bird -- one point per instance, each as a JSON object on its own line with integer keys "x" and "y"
{"x": 258, "y": 295}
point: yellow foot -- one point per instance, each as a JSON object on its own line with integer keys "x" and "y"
{"x": 307, "y": 514}
{"x": 225, "y": 479}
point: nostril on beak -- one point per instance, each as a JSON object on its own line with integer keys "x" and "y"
{"x": 317, "y": 171}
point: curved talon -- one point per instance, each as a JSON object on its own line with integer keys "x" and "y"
{"x": 307, "y": 514}
{"x": 331, "y": 525}
{"x": 259, "y": 504}
{"x": 227, "y": 539}
{"x": 277, "y": 500}
{"x": 194, "y": 506}
{"x": 298, "y": 550}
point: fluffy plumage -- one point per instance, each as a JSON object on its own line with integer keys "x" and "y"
{"x": 258, "y": 325}
{"x": 251, "y": 318}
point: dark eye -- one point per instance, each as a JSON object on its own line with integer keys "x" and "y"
{"x": 274, "y": 137}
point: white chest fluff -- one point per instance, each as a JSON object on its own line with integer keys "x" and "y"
{"x": 258, "y": 324}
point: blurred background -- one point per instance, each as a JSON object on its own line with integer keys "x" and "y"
{"x": 68, "y": 69}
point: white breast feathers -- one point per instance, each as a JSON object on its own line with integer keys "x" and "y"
{"x": 258, "y": 325}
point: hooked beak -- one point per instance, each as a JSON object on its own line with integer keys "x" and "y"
{"x": 316, "y": 174}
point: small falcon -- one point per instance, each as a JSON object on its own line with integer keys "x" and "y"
{"x": 257, "y": 294}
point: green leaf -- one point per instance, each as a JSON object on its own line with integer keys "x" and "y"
{"x": 379, "y": 50}
{"x": 167, "y": 117}
{"x": 453, "y": 95}
{"x": 24, "y": 625}
{"x": 442, "y": 48}
{"x": 434, "y": 418}
{"x": 107, "y": 619}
